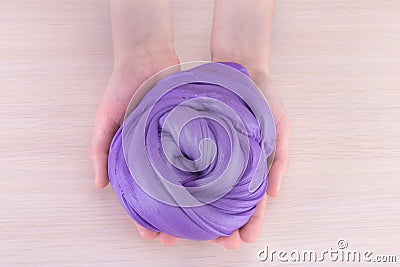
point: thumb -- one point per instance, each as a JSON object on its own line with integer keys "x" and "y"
{"x": 104, "y": 130}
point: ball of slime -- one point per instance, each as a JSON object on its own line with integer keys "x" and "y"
{"x": 191, "y": 159}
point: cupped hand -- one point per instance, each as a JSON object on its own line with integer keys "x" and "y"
{"x": 242, "y": 33}
{"x": 123, "y": 83}
{"x": 250, "y": 231}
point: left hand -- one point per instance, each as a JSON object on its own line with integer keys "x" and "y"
{"x": 250, "y": 231}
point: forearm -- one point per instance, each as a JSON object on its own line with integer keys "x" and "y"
{"x": 139, "y": 28}
{"x": 242, "y": 32}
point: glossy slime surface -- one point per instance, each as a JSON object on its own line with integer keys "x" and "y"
{"x": 191, "y": 159}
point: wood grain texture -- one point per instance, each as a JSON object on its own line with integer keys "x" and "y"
{"x": 337, "y": 64}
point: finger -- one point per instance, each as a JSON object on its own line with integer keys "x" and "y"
{"x": 146, "y": 233}
{"x": 99, "y": 160}
{"x": 232, "y": 241}
{"x": 168, "y": 240}
{"x": 250, "y": 231}
{"x": 216, "y": 240}
{"x": 104, "y": 130}
{"x": 281, "y": 160}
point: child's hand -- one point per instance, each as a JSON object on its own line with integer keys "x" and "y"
{"x": 242, "y": 33}
{"x": 143, "y": 46}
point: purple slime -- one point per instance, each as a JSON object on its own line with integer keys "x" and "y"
{"x": 191, "y": 159}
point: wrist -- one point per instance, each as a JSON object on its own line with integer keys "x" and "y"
{"x": 133, "y": 53}
{"x": 144, "y": 62}
{"x": 255, "y": 65}
{"x": 142, "y": 55}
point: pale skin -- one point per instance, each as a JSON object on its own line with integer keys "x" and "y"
{"x": 143, "y": 46}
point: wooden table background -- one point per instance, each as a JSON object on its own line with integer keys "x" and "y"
{"x": 337, "y": 64}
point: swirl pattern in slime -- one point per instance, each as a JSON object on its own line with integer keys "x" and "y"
{"x": 191, "y": 159}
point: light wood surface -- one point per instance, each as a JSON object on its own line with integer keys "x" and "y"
{"x": 337, "y": 64}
